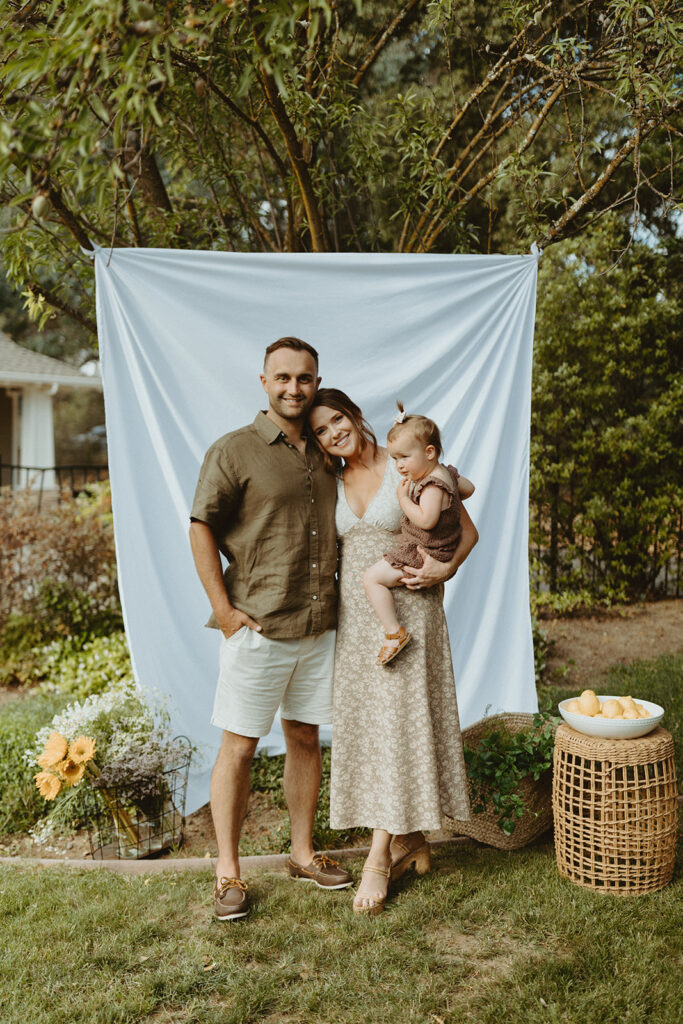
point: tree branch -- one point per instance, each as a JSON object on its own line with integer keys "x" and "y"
{"x": 236, "y": 110}
{"x": 313, "y": 213}
{"x": 62, "y": 306}
{"x": 69, "y": 219}
{"x": 151, "y": 185}
{"x": 384, "y": 38}
{"x": 436, "y": 226}
{"x": 556, "y": 230}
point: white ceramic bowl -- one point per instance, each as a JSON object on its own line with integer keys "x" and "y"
{"x": 613, "y": 728}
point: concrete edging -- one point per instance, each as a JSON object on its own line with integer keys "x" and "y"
{"x": 261, "y": 862}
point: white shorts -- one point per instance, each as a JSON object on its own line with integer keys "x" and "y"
{"x": 257, "y": 675}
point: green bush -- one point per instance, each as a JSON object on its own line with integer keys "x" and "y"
{"x": 79, "y": 671}
{"x": 20, "y": 803}
{"x": 606, "y": 439}
{"x": 541, "y": 648}
{"x": 57, "y": 576}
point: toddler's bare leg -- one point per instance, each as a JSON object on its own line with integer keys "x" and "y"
{"x": 378, "y": 581}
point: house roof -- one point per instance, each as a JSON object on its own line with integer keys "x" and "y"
{"x": 20, "y": 365}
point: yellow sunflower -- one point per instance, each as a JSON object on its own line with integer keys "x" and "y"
{"x": 48, "y": 784}
{"x": 81, "y": 750}
{"x": 70, "y": 772}
{"x": 55, "y": 750}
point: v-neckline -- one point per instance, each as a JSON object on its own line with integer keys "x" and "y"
{"x": 367, "y": 507}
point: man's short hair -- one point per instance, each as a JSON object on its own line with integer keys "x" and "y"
{"x": 295, "y": 343}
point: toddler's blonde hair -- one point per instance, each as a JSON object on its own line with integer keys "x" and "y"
{"x": 421, "y": 427}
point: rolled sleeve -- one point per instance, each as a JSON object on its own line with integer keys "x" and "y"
{"x": 218, "y": 490}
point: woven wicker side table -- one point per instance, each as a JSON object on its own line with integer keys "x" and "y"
{"x": 615, "y": 811}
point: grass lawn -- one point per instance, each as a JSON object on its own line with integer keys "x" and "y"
{"x": 488, "y": 937}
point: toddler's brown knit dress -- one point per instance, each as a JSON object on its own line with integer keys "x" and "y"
{"x": 440, "y": 542}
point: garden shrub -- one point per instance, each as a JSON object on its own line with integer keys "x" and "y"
{"x": 541, "y": 648}
{"x": 606, "y": 436}
{"x": 20, "y": 803}
{"x": 78, "y": 671}
{"x": 57, "y": 576}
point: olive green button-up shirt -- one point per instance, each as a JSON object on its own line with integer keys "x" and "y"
{"x": 271, "y": 511}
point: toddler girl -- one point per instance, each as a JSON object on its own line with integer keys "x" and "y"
{"x": 429, "y": 496}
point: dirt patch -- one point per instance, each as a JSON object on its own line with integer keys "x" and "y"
{"x": 474, "y": 950}
{"x": 21, "y": 845}
{"x": 584, "y": 649}
{"x": 263, "y": 824}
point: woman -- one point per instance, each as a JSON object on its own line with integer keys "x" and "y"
{"x": 397, "y": 761}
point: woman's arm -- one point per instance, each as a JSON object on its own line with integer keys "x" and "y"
{"x": 433, "y": 572}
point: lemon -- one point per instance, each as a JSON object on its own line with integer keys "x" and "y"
{"x": 589, "y": 703}
{"x": 611, "y": 709}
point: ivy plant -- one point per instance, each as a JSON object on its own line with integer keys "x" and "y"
{"x": 501, "y": 760}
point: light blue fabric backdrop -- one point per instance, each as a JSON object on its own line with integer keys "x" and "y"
{"x": 182, "y": 336}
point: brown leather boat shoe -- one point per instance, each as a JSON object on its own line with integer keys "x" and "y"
{"x": 230, "y": 899}
{"x": 325, "y": 872}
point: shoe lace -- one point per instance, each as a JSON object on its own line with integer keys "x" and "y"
{"x": 324, "y": 861}
{"x": 229, "y": 883}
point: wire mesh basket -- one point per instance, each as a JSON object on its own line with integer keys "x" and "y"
{"x": 141, "y": 818}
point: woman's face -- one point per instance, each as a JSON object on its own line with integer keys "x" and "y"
{"x": 335, "y": 432}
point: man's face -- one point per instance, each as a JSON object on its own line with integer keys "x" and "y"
{"x": 290, "y": 380}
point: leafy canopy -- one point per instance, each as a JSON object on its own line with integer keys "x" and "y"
{"x": 288, "y": 125}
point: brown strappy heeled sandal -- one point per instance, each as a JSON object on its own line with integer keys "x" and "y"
{"x": 387, "y": 653}
{"x": 377, "y": 906}
{"x": 404, "y": 856}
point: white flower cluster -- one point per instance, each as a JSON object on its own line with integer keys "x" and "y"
{"x": 119, "y": 719}
{"x": 42, "y": 832}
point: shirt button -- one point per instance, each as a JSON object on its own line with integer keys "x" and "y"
{"x": 314, "y": 533}
{"x": 315, "y": 597}
{"x": 312, "y": 501}
{"x": 315, "y": 565}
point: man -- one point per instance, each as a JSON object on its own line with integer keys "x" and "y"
{"x": 266, "y": 502}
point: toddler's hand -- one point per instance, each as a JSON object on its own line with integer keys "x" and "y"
{"x": 403, "y": 489}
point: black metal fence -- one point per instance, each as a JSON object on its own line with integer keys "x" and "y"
{"x": 57, "y": 481}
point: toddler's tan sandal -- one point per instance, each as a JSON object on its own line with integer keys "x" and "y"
{"x": 378, "y": 902}
{"x": 405, "y": 856}
{"x": 387, "y": 653}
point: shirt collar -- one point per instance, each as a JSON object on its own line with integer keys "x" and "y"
{"x": 269, "y": 431}
{"x": 265, "y": 428}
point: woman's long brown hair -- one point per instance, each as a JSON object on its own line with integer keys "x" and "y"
{"x": 333, "y": 398}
